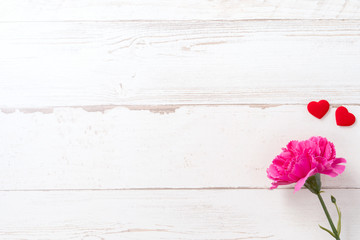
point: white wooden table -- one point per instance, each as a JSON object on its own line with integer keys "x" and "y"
{"x": 154, "y": 119}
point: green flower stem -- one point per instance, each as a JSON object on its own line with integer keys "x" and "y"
{"x": 328, "y": 216}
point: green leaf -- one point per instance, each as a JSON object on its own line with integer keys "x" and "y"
{"x": 327, "y": 230}
{"x": 338, "y": 229}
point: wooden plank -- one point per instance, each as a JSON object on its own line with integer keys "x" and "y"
{"x": 185, "y": 147}
{"x": 179, "y": 62}
{"x": 183, "y": 215}
{"x": 38, "y": 10}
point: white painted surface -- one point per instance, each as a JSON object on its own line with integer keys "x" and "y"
{"x": 172, "y": 214}
{"x": 100, "y": 97}
{"x": 100, "y": 10}
{"x": 179, "y": 62}
{"x": 191, "y": 147}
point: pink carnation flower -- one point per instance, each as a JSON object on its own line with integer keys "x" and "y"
{"x": 303, "y": 159}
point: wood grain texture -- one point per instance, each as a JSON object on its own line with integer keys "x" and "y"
{"x": 186, "y": 147}
{"x": 125, "y": 119}
{"x": 179, "y": 62}
{"x": 182, "y": 215}
{"x": 99, "y": 10}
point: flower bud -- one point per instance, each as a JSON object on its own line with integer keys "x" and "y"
{"x": 333, "y": 199}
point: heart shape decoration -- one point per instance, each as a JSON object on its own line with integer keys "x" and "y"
{"x": 344, "y": 117}
{"x": 318, "y": 109}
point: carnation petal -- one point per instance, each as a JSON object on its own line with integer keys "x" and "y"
{"x": 273, "y": 172}
{"x": 329, "y": 151}
{"x": 302, "y": 181}
{"x": 339, "y": 160}
{"x": 304, "y": 163}
{"x": 335, "y": 169}
{"x": 339, "y": 169}
{"x": 330, "y": 172}
{"x": 278, "y": 183}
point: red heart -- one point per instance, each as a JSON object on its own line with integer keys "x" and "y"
{"x": 343, "y": 117}
{"x": 318, "y": 109}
